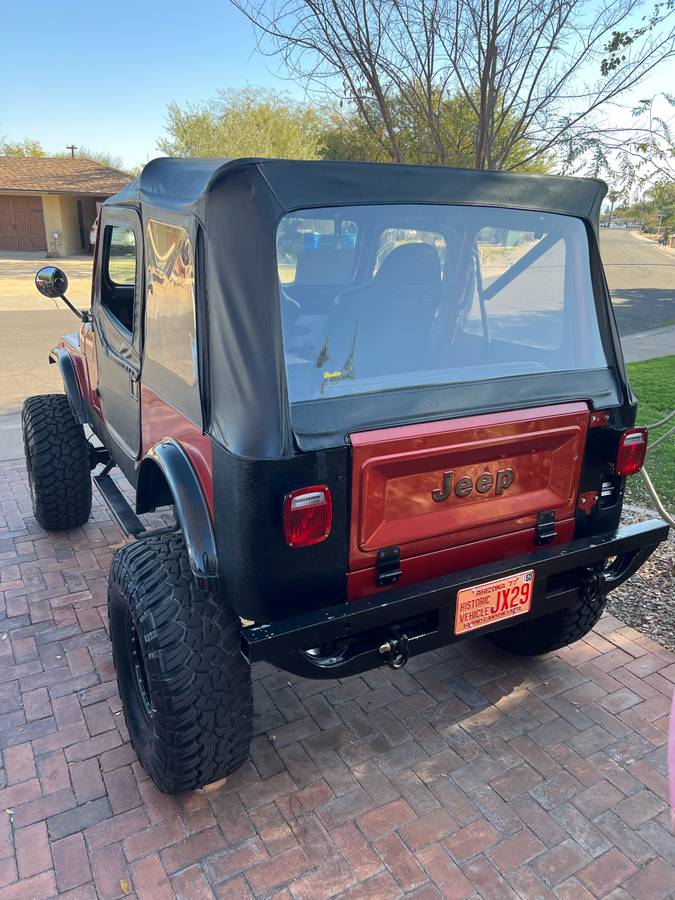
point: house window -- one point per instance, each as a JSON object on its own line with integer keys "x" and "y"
{"x": 118, "y": 287}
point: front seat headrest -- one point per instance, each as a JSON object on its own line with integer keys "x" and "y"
{"x": 410, "y": 264}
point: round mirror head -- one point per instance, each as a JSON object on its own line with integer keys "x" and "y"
{"x": 51, "y": 282}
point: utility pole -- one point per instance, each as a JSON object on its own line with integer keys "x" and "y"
{"x": 72, "y": 149}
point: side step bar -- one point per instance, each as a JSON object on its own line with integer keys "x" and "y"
{"x": 117, "y": 503}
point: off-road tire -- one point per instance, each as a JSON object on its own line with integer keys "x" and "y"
{"x": 548, "y": 633}
{"x": 57, "y": 460}
{"x": 189, "y": 709}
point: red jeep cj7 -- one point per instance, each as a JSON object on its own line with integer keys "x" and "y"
{"x": 387, "y": 405}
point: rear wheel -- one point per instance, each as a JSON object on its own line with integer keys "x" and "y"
{"x": 185, "y": 686}
{"x": 57, "y": 460}
{"x": 548, "y": 633}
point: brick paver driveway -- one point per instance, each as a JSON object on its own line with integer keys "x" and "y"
{"x": 468, "y": 774}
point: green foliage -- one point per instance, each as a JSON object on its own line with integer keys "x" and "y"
{"x": 655, "y": 208}
{"x": 622, "y": 40}
{"x": 653, "y": 382}
{"x": 449, "y": 140}
{"x": 257, "y": 122}
{"x": 26, "y": 147}
{"x": 247, "y": 122}
{"x": 99, "y": 156}
{"x": 31, "y": 147}
{"x": 662, "y": 197}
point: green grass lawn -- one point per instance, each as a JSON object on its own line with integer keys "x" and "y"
{"x": 653, "y": 382}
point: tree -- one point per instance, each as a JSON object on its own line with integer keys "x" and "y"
{"x": 662, "y": 197}
{"x": 99, "y": 156}
{"x": 31, "y": 147}
{"x": 350, "y": 136}
{"x": 612, "y": 196}
{"x": 26, "y": 147}
{"x": 531, "y": 73}
{"x": 248, "y": 122}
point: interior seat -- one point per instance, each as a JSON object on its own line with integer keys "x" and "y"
{"x": 384, "y": 327}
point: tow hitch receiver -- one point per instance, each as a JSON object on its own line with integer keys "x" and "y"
{"x": 395, "y": 651}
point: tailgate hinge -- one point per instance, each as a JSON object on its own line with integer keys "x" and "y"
{"x": 546, "y": 529}
{"x": 388, "y": 566}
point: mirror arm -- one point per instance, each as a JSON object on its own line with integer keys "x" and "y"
{"x": 81, "y": 314}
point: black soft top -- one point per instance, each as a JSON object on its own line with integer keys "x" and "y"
{"x": 231, "y": 208}
{"x": 183, "y": 184}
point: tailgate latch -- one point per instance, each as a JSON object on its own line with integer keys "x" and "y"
{"x": 546, "y": 529}
{"x": 388, "y": 566}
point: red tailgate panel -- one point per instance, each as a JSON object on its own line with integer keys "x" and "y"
{"x": 529, "y": 460}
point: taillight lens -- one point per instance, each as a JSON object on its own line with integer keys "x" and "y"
{"x": 308, "y": 516}
{"x": 632, "y": 451}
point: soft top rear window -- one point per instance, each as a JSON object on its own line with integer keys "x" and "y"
{"x": 376, "y": 298}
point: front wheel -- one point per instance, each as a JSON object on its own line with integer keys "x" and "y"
{"x": 57, "y": 460}
{"x": 548, "y": 633}
{"x": 185, "y": 687}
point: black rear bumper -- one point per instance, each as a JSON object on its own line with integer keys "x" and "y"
{"x": 427, "y": 609}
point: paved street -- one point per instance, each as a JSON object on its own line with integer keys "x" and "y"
{"x": 641, "y": 278}
{"x": 468, "y": 774}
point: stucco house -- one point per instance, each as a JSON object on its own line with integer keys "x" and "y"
{"x": 50, "y": 203}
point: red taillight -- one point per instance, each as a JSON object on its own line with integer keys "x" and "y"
{"x": 308, "y": 516}
{"x": 632, "y": 451}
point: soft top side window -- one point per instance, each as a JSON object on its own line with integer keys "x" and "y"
{"x": 118, "y": 284}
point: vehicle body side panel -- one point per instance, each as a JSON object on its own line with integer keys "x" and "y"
{"x": 160, "y": 420}
{"x": 167, "y": 477}
{"x": 88, "y": 349}
{"x": 262, "y": 576}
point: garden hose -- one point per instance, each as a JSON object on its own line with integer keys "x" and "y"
{"x": 645, "y": 475}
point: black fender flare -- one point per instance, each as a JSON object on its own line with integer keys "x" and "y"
{"x": 191, "y": 508}
{"x": 62, "y": 358}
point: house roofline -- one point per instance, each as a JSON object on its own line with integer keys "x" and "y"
{"x": 104, "y": 194}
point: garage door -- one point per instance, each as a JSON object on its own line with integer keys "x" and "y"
{"x": 22, "y": 224}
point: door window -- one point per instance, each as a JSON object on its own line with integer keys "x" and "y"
{"x": 118, "y": 288}
{"x": 170, "y": 331}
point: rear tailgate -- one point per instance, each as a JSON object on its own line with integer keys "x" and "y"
{"x": 462, "y": 492}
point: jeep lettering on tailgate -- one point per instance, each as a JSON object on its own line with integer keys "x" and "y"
{"x": 465, "y": 486}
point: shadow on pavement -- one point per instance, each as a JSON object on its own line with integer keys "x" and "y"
{"x": 640, "y": 309}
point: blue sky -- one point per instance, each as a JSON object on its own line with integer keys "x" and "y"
{"x": 101, "y": 75}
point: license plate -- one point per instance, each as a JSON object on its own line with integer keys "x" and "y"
{"x": 493, "y": 601}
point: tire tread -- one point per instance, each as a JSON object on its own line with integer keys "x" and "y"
{"x": 57, "y": 454}
{"x": 200, "y": 683}
{"x": 551, "y": 632}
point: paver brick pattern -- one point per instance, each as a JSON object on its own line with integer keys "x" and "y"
{"x": 470, "y": 773}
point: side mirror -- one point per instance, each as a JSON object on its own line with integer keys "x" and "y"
{"x": 51, "y": 282}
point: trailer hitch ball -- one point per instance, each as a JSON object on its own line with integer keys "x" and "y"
{"x": 395, "y": 650}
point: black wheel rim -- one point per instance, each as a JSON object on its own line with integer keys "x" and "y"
{"x": 31, "y": 486}
{"x": 138, "y": 667}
